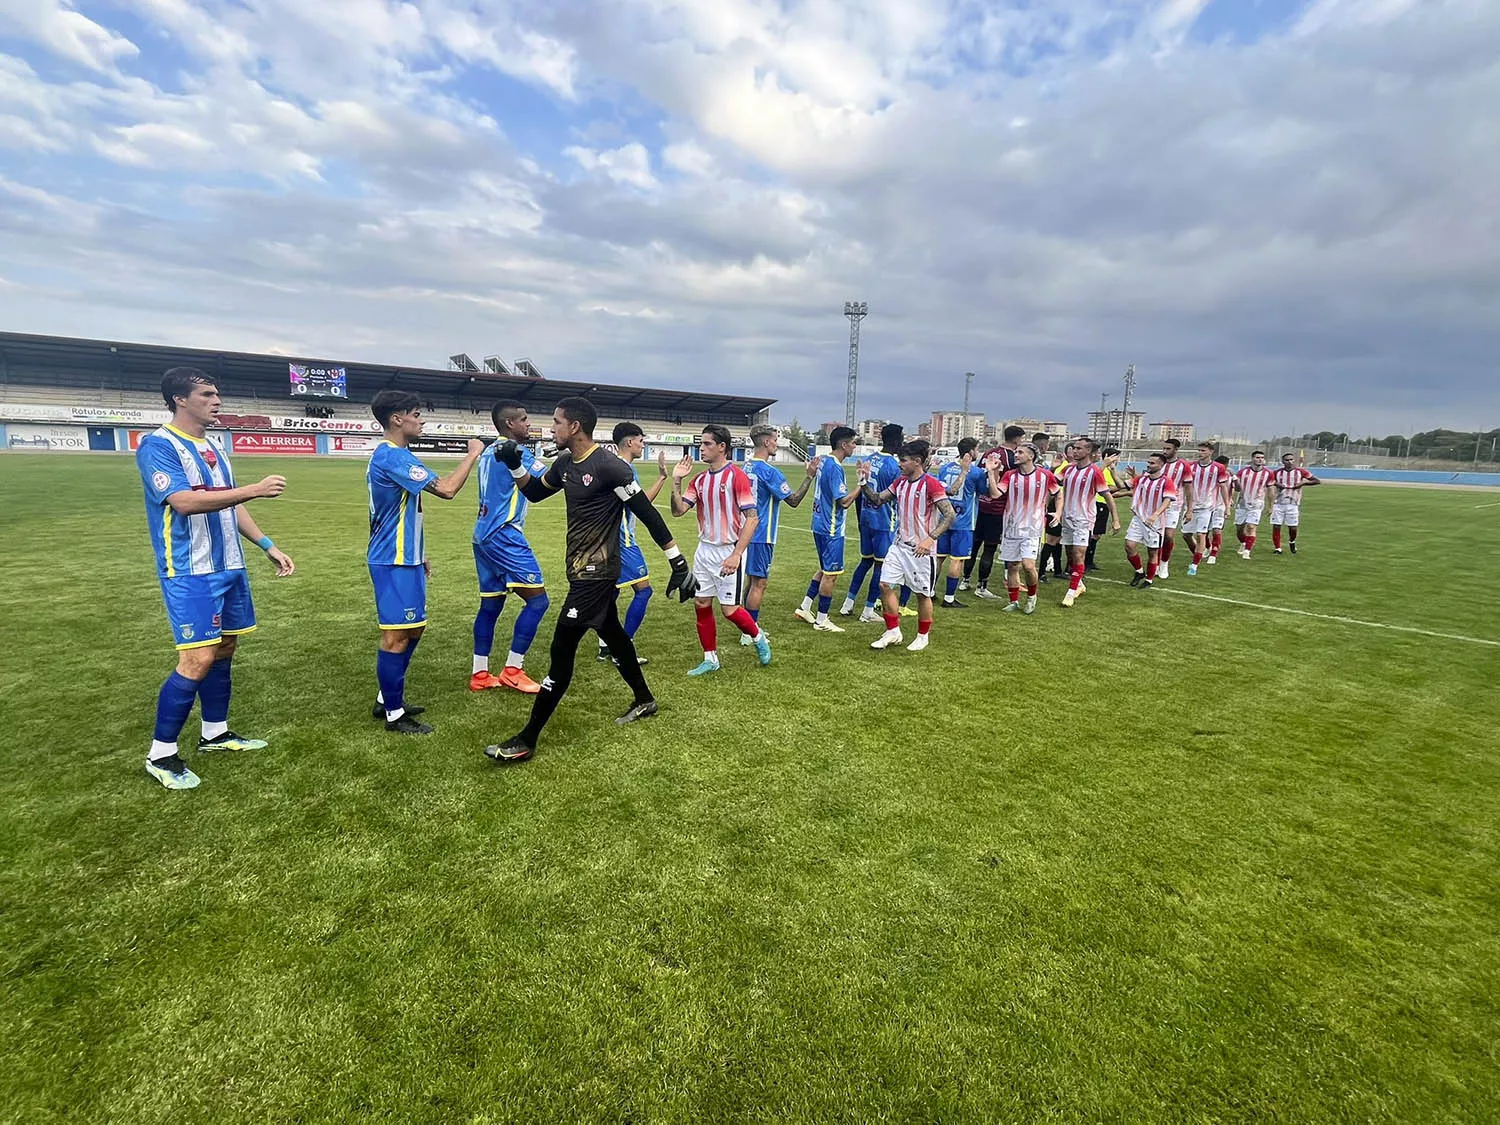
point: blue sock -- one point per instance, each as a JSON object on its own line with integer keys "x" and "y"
{"x": 213, "y": 693}
{"x": 390, "y": 673}
{"x": 824, "y": 603}
{"x": 754, "y": 614}
{"x": 905, "y": 596}
{"x": 812, "y": 587}
{"x": 864, "y": 568}
{"x": 411, "y": 650}
{"x": 636, "y": 612}
{"x": 173, "y": 706}
{"x": 952, "y": 586}
{"x": 484, "y": 624}
{"x": 873, "y": 594}
{"x": 527, "y": 622}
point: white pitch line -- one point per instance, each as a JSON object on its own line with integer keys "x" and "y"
{"x": 1487, "y": 505}
{"x": 1319, "y": 616}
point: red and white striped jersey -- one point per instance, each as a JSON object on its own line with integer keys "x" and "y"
{"x": 916, "y": 507}
{"x": 1206, "y": 482}
{"x": 1253, "y": 483}
{"x": 1289, "y": 484}
{"x": 1081, "y": 485}
{"x": 1026, "y": 502}
{"x": 1148, "y": 494}
{"x": 1175, "y": 470}
{"x": 722, "y": 496}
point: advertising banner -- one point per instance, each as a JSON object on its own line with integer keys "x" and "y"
{"x": 353, "y": 446}
{"x": 426, "y": 444}
{"x": 94, "y": 415}
{"x": 274, "y": 443}
{"x": 19, "y": 435}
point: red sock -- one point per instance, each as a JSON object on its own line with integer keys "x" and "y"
{"x": 1031, "y": 590}
{"x": 924, "y": 627}
{"x": 1218, "y": 542}
{"x": 708, "y": 633}
{"x": 1166, "y": 550}
{"x": 1276, "y": 537}
{"x": 1077, "y": 578}
{"x": 1151, "y": 568}
{"x": 742, "y": 621}
{"x": 1197, "y": 557}
{"x": 892, "y": 620}
{"x": 1249, "y": 542}
{"x": 1015, "y": 593}
{"x": 1134, "y": 561}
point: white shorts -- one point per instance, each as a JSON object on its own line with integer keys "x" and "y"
{"x": 1284, "y": 515}
{"x": 1138, "y": 532}
{"x": 1197, "y": 522}
{"x": 1216, "y": 521}
{"x": 1174, "y": 514}
{"x": 1077, "y": 530}
{"x": 902, "y": 567}
{"x": 728, "y": 588}
{"x": 1251, "y": 515}
{"x": 1014, "y": 550}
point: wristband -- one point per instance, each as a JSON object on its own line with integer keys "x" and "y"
{"x": 518, "y": 472}
{"x": 264, "y": 543}
{"x": 673, "y": 552}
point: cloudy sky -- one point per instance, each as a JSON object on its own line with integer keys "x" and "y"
{"x": 1282, "y": 211}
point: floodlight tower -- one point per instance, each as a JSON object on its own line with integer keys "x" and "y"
{"x": 856, "y": 311}
{"x": 1129, "y": 396}
{"x": 968, "y": 382}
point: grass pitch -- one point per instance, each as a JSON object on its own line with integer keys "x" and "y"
{"x": 1155, "y": 858}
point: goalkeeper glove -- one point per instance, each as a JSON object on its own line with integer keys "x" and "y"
{"x": 682, "y": 579}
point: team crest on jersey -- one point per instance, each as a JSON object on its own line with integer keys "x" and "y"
{"x": 588, "y": 479}
{"x": 411, "y": 615}
{"x": 209, "y": 458}
{"x": 416, "y": 472}
{"x": 160, "y": 481}
{"x": 187, "y": 632}
{"x": 533, "y": 578}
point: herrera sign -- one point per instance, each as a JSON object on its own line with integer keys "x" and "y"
{"x": 274, "y": 443}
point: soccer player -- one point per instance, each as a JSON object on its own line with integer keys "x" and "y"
{"x": 771, "y": 491}
{"x": 1221, "y": 512}
{"x": 831, "y": 500}
{"x": 597, "y": 487}
{"x": 1052, "y": 551}
{"x": 1027, "y": 489}
{"x": 1150, "y": 504}
{"x": 1114, "y": 482}
{"x": 630, "y": 447}
{"x": 1287, "y": 484}
{"x": 505, "y": 560}
{"x": 877, "y": 523}
{"x": 1175, "y": 469}
{"x": 1251, "y": 483}
{"x": 724, "y": 498}
{"x": 924, "y": 514}
{"x": 397, "y": 555}
{"x": 1083, "y": 484}
{"x": 1210, "y": 486}
{"x": 196, "y": 516}
{"x": 989, "y": 528}
{"x": 963, "y": 479}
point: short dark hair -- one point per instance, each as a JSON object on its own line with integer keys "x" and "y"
{"x": 1014, "y": 433}
{"x": 1262, "y": 452}
{"x": 890, "y": 435}
{"x": 967, "y": 445}
{"x": 1043, "y": 438}
{"x": 502, "y": 406}
{"x": 719, "y": 433}
{"x": 386, "y": 403}
{"x": 919, "y": 448}
{"x": 581, "y": 411}
{"x": 840, "y": 435}
{"x": 1158, "y": 454}
{"x": 1111, "y": 451}
{"x": 1221, "y": 459}
{"x": 1088, "y": 441}
{"x": 1208, "y": 445}
{"x": 625, "y": 430}
{"x": 178, "y": 382}
{"x": 1173, "y": 442}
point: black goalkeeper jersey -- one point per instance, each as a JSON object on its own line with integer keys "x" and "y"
{"x": 596, "y": 487}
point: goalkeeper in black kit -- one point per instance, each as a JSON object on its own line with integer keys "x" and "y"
{"x": 598, "y": 487}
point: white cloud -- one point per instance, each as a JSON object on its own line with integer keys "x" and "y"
{"x": 66, "y": 33}
{"x": 629, "y": 164}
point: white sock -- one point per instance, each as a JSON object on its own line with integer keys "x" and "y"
{"x": 515, "y": 660}
{"x": 392, "y": 716}
{"x": 848, "y": 605}
{"x": 160, "y": 750}
{"x": 213, "y": 730}
{"x": 481, "y": 664}
{"x": 380, "y": 697}
{"x": 948, "y": 598}
{"x": 806, "y": 604}
{"x": 711, "y": 657}
{"x": 823, "y": 618}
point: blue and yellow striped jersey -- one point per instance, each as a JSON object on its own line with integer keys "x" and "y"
{"x": 884, "y": 469}
{"x": 501, "y": 503}
{"x": 209, "y": 543}
{"x": 771, "y": 489}
{"x": 396, "y": 480}
{"x": 831, "y": 487}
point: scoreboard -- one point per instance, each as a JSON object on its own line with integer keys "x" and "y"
{"x": 318, "y": 381}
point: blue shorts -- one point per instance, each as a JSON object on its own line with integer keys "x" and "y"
{"x": 202, "y": 608}
{"x": 632, "y": 567}
{"x": 956, "y": 544}
{"x": 505, "y": 562}
{"x": 400, "y": 595}
{"x": 758, "y": 559}
{"x": 875, "y": 543}
{"x": 830, "y": 553}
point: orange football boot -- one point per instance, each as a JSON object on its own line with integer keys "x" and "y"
{"x": 483, "y": 681}
{"x": 518, "y": 679}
